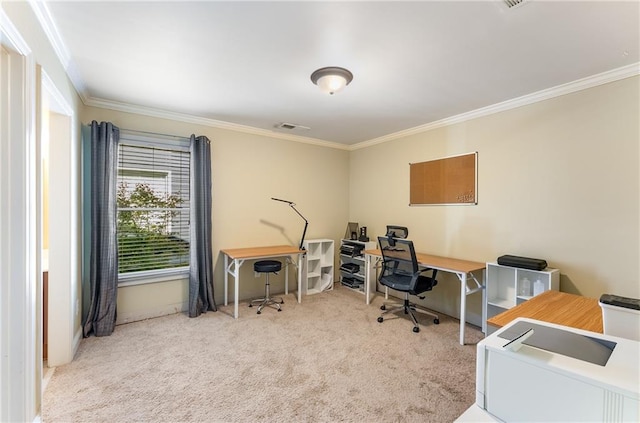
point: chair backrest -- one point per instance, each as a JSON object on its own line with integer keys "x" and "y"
{"x": 399, "y": 256}
{"x": 395, "y": 231}
{"x": 400, "y": 268}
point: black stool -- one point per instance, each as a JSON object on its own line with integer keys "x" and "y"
{"x": 267, "y": 266}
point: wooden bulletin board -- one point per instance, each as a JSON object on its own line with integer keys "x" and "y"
{"x": 450, "y": 180}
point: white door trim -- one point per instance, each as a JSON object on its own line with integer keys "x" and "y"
{"x": 19, "y": 369}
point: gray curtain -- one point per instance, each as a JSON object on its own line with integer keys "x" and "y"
{"x": 201, "y": 256}
{"x": 103, "y": 273}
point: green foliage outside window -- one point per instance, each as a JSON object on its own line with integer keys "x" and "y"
{"x": 145, "y": 241}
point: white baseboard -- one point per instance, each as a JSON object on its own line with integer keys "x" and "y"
{"x": 77, "y": 337}
{"x": 134, "y": 316}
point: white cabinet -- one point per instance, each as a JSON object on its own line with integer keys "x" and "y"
{"x": 509, "y": 286}
{"x": 352, "y": 263}
{"x": 317, "y": 275}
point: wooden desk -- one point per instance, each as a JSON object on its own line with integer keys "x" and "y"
{"x": 463, "y": 269}
{"x": 234, "y": 258}
{"x": 556, "y": 307}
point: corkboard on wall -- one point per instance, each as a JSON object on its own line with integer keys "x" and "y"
{"x": 450, "y": 180}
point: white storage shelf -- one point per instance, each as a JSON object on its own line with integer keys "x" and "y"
{"x": 317, "y": 275}
{"x": 506, "y": 286}
{"x": 356, "y": 280}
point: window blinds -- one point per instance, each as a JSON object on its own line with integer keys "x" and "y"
{"x": 153, "y": 205}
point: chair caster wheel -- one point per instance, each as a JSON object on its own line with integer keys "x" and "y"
{"x": 382, "y": 307}
{"x": 416, "y": 329}
{"x": 279, "y": 309}
{"x": 250, "y": 305}
{"x": 259, "y": 312}
{"x": 380, "y": 319}
{"x": 436, "y": 321}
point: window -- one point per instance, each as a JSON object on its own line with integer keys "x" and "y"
{"x": 153, "y": 206}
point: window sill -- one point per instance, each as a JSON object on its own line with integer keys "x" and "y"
{"x": 153, "y": 276}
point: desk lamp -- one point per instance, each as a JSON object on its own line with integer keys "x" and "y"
{"x": 306, "y": 222}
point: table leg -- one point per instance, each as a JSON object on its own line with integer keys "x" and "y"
{"x": 236, "y": 292}
{"x": 300, "y": 264}
{"x": 367, "y": 276}
{"x": 286, "y": 276}
{"x": 463, "y": 305}
{"x": 484, "y": 303}
{"x": 226, "y": 279}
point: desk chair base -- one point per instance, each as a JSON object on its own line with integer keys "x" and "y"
{"x": 408, "y": 308}
{"x": 273, "y": 302}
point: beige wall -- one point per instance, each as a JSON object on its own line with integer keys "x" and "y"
{"x": 557, "y": 180}
{"x": 248, "y": 170}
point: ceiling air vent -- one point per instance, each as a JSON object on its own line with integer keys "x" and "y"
{"x": 513, "y": 3}
{"x": 291, "y": 126}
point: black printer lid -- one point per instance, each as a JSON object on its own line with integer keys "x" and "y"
{"x": 616, "y": 300}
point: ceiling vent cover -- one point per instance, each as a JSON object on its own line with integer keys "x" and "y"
{"x": 291, "y": 126}
{"x": 513, "y": 3}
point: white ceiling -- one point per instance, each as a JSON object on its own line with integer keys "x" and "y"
{"x": 249, "y": 63}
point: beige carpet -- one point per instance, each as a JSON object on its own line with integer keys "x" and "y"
{"x": 325, "y": 360}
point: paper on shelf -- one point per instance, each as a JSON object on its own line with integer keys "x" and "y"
{"x": 326, "y": 281}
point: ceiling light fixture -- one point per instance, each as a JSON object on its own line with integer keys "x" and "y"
{"x": 331, "y": 79}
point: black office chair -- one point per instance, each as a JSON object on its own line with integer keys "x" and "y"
{"x": 400, "y": 271}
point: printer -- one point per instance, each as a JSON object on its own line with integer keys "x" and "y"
{"x": 536, "y": 371}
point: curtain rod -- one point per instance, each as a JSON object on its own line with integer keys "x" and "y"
{"x": 134, "y": 131}
{"x": 153, "y": 133}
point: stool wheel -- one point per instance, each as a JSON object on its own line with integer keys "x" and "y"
{"x": 380, "y": 319}
{"x": 279, "y": 309}
{"x": 382, "y": 307}
{"x": 436, "y": 321}
{"x": 416, "y": 329}
{"x": 259, "y": 312}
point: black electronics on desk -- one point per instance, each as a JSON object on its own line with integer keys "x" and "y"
{"x": 522, "y": 262}
{"x": 351, "y": 250}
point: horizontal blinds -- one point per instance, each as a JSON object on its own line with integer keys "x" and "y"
{"x": 153, "y": 207}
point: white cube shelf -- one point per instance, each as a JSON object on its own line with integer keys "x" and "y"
{"x": 317, "y": 274}
{"x": 506, "y": 285}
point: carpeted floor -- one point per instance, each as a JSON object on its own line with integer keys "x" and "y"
{"x": 325, "y": 360}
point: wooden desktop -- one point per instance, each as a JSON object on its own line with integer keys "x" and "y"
{"x": 556, "y": 307}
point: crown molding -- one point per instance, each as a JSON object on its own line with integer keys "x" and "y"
{"x": 182, "y": 117}
{"x": 546, "y": 94}
{"x": 50, "y": 29}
